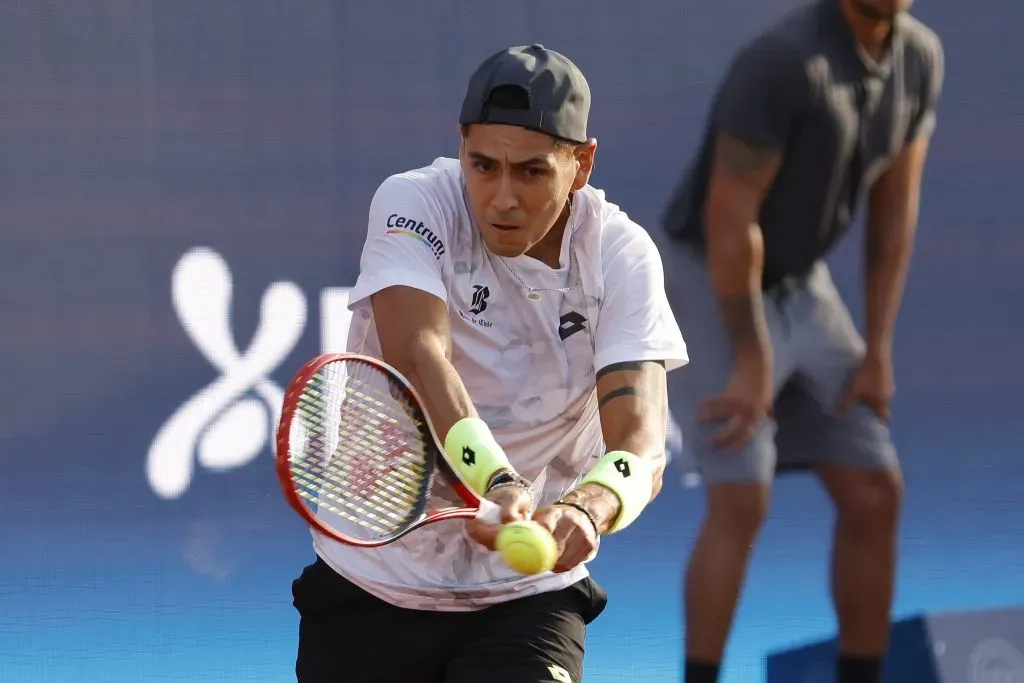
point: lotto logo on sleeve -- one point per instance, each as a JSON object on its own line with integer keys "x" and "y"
{"x": 409, "y": 227}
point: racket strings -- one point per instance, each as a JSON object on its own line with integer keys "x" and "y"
{"x": 359, "y": 450}
{"x": 361, "y": 475}
{"x": 352, "y": 487}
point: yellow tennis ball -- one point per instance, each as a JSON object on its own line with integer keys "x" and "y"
{"x": 527, "y": 547}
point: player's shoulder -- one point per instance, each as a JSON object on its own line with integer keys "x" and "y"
{"x": 620, "y": 236}
{"x": 424, "y": 200}
{"x": 439, "y": 183}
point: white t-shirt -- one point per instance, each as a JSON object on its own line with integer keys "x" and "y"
{"x": 528, "y": 362}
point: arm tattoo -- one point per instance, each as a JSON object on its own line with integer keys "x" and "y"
{"x": 741, "y": 158}
{"x": 621, "y": 391}
{"x": 739, "y": 315}
{"x": 634, "y": 365}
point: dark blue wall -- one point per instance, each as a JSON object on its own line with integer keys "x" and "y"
{"x": 132, "y": 133}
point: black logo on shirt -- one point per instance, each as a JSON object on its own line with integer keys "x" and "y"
{"x": 569, "y": 324}
{"x": 479, "y": 303}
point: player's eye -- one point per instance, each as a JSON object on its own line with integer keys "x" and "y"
{"x": 536, "y": 172}
{"x": 483, "y": 166}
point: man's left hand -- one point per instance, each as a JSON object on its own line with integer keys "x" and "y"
{"x": 573, "y": 532}
{"x": 873, "y": 385}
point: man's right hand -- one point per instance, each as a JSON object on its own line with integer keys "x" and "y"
{"x": 746, "y": 400}
{"x": 516, "y": 506}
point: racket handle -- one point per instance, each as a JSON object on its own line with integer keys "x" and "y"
{"x": 489, "y": 512}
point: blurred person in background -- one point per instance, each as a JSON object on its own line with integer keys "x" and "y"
{"x": 835, "y": 101}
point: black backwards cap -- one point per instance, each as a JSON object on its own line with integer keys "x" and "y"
{"x": 557, "y": 93}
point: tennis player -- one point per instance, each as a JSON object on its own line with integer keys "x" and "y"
{"x": 834, "y": 102}
{"x": 530, "y": 313}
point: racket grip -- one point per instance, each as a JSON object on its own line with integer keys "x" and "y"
{"x": 489, "y": 512}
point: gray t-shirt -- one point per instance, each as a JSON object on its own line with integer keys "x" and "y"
{"x": 804, "y": 86}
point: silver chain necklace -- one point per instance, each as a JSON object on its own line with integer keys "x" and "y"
{"x": 533, "y": 293}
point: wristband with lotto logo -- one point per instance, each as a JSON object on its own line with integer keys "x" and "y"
{"x": 627, "y": 476}
{"x": 474, "y": 453}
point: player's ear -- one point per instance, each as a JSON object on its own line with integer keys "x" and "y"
{"x": 585, "y": 159}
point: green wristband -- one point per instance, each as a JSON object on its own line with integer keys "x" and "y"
{"x": 474, "y": 453}
{"x": 628, "y": 477}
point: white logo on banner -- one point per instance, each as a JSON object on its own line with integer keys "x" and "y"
{"x": 226, "y": 424}
{"x": 229, "y": 423}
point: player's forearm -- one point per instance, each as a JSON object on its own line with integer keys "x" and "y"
{"x": 643, "y": 436}
{"x": 642, "y": 439}
{"x": 888, "y": 248}
{"x": 468, "y": 443}
{"x": 633, "y": 403}
{"x": 736, "y": 263}
{"x": 444, "y": 395}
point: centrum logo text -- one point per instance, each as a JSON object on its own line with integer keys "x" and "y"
{"x": 229, "y": 423}
{"x": 400, "y": 225}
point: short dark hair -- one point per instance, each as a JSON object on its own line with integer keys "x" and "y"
{"x": 515, "y": 97}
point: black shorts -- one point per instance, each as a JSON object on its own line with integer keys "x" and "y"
{"x": 347, "y": 635}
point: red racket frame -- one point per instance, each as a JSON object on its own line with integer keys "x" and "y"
{"x": 476, "y": 506}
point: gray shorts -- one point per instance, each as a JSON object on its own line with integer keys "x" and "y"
{"x": 816, "y": 350}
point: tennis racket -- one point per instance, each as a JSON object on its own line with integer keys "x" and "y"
{"x": 357, "y": 456}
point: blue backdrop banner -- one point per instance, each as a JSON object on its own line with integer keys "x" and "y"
{"x": 184, "y": 194}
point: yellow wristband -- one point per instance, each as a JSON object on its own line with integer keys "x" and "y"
{"x": 474, "y": 453}
{"x": 628, "y": 477}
